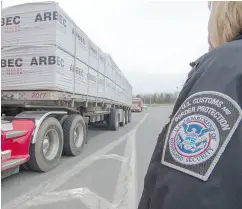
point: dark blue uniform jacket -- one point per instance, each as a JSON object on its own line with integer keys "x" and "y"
{"x": 197, "y": 162}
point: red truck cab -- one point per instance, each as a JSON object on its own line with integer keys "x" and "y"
{"x": 15, "y": 140}
{"x": 137, "y": 105}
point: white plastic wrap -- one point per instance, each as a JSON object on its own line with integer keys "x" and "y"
{"x": 42, "y": 68}
{"x": 81, "y": 45}
{"x": 118, "y": 93}
{"x": 108, "y": 70}
{"x": 92, "y": 82}
{"x": 108, "y": 88}
{"x": 114, "y": 92}
{"x": 35, "y": 68}
{"x": 81, "y": 80}
{"x": 40, "y": 42}
{"x": 102, "y": 61}
{"x": 93, "y": 55}
{"x": 42, "y": 23}
{"x": 101, "y": 86}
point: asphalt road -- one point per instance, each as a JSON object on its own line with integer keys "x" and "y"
{"x": 107, "y": 175}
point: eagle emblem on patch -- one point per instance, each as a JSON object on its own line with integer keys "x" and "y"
{"x": 194, "y": 140}
{"x": 199, "y": 133}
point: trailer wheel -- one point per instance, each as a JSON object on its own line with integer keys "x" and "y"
{"x": 122, "y": 123}
{"x": 113, "y": 120}
{"x": 74, "y": 129}
{"x": 129, "y": 116}
{"x": 46, "y": 152}
{"x": 61, "y": 119}
{"x": 86, "y": 133}
{"x": 126, "y": 113}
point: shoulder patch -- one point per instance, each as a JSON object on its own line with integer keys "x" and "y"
{"x": 199, "y": 133}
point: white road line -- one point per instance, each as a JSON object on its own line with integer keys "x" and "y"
{"x": 125, "y": 196}
{"x": 58, "y": 180}
{"x": 122, "y": 186}
{"x": 133, "y": 180}
{"x": 90, "y": 199}
{"x": 123, "y": 159}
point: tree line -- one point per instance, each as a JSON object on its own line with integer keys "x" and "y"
{"x": 158, "y": 98}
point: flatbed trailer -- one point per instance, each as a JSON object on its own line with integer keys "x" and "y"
{"x": 39, "y": 126}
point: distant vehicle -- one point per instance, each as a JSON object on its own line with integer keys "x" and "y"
{"x": 137, "y": 105}
{"x": 145, "y": 107}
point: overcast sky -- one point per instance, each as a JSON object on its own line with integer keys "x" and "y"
{"x": 152, "y": 42}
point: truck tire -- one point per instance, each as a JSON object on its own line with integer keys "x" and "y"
{"x": 46, "y": 152}
{"x": 74, "y": 130}
{"x": 86, "y": 133}
{"x": 113, "y": 120}
{"x": 126, "y": 116}
{"x": 25, "y": 166}
{"x": 122, "y": 123}
{"x": 129, "y": 116}
{"x": 61, "y": 119}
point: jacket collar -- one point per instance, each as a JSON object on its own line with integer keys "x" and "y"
{"x": 193, "y": 64}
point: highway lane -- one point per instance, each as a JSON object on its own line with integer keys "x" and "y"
{"x": 108, "y": 174}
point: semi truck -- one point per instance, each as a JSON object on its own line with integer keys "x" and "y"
{"x": 137, "y": 104}
{"x": 54, "y": 90}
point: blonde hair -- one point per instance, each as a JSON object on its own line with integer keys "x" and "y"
{"x": 225, "y": 21}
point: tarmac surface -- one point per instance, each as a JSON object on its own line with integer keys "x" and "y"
{"x": 109, "y": 173}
